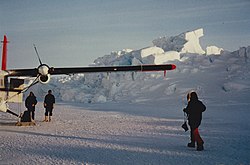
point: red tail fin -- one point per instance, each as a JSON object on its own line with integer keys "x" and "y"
{"x": 4, "y": 53}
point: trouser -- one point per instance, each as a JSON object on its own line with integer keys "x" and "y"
{"x": 32, "y": 114}
{"x": 48, "y": 111}
{"x": 195, "y": 136}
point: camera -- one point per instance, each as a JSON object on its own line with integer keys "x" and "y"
{"x": 184, "y": 126}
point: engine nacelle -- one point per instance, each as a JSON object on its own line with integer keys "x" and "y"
{"x": 44, "y": 79}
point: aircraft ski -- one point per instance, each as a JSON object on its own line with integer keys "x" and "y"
{"x": 14, "y": 87}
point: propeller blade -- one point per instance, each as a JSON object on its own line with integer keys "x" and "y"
{"x": 37, "y": 54}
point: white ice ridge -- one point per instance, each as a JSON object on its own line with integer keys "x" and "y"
{"x": 187, "y": 42}
{"x": 213, "y": 50}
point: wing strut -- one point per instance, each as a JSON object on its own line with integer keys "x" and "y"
{"x": 24, "y": 90}
{"x": 13, "y": 113}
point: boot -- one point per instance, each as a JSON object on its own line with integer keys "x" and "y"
{"x": 191, "y": 144}
{"x": 49, "y": 119}
{"x": 200, "y": 147}
{"x": 46, "y": 119}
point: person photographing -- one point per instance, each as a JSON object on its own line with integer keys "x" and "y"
{"x": 194, "y": 110}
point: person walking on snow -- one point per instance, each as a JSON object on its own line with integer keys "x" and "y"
{"x": 30, "y": 104}
{"x": 194, "y": 111}
{"x": 49, "y": 102}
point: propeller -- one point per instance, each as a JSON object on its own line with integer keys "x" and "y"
{"x": 43, "y": 69}
{"x": 37, "y": 54}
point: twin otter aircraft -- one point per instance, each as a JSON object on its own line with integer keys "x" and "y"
{"x": 12, "y": 86}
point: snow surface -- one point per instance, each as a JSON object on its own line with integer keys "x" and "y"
{"x": 135, "y": 118}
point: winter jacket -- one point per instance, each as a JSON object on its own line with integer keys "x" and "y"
{"x": 49, "y": 101}
{"x": 30, "y": 103}
{"x": 194, "y": 111}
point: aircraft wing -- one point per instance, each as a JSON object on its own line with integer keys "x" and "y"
{"x": 57, "y": 71}
{"x": 23, "y": 72}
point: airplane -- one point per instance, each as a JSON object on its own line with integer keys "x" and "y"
{"x": 12, "y": 86}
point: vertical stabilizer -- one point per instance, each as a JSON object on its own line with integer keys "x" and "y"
{"x": 4, "y": 53}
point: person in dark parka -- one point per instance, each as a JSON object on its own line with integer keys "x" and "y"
{"x": 30, "y": 104}
{"x": 194, "y": 111}
{"x": 49, "y": 102}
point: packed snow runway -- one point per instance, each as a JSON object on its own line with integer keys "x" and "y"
{"x": 126, "y": 133}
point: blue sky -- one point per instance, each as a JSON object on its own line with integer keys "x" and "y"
{"x": 76, "y": 32}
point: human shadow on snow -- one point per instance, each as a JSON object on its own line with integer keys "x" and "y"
{"x": 110, "y": 150}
